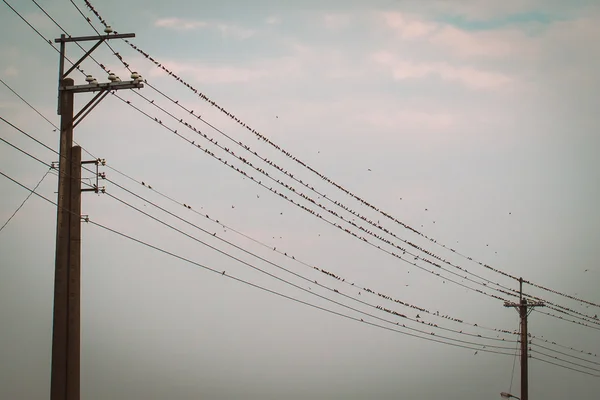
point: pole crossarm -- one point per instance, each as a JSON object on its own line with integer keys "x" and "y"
{"x": 96, "y": 87}
{"x": 65, "y": 39}
{"x": 100, "y": 38}
{"x": 533, "y": 304}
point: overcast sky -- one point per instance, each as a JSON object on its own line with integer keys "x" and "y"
{"x": 473, "y": 122}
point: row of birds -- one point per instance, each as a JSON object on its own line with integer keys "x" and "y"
{"x": 291, "y": 188}
{"x": 288, "y": 154}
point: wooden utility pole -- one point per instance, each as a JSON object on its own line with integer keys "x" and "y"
{"x": 61, "y": 351}
{"x": 523, "y": 308}
{"x": 65, "y": 374}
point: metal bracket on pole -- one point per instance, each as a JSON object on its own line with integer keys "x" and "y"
{"x": 99, "y": 175}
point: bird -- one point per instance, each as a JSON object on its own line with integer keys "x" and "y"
{"x": 418, "y": 316}
{"x": 369, "y": 169}
{"x": 586, "y": 270}
{"x": 223, "y": 273}
{"x": 475, "y": 353}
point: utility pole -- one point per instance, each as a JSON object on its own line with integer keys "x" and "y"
{"x": 524, "y": 308}
{"x": 65, "y": 374}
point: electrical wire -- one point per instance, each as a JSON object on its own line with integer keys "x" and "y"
{"x": 289, "y": 155}
{"x": 314, "y": 213}
{"x": 295, "y": 274}
{"x": 511, "y": 291}
{"x": 321, "y": 270}
{"x": 565, "y": 361}
{"x": 24, "y": 201}
{"x": 512, "y": 374}
{"x": 565, "y": 354}
{"x": 261, "y": 287}
{"x": 55, "y": 49}
{"x": 277, "y": 265}
{"x": 564, "y": 366}
{"x": 282, "y": 268}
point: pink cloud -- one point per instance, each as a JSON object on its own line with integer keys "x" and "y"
{"x": 179, "y": 24}
{"x": 337, "y": 21}
{"x": 406, "y": 26}
{"x": 446, "y": 38}
{"x": 466, "y": 75}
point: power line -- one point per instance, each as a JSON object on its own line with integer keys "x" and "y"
{"x": 510, "y": 291}
{"x": 30, "y": 106}
{"x": 283, "y": 295}
{"x": 28, "y": 135}
{"x": 370, "y": 323}
{"x": 274, "y": 264}
{"x": 31, "y": 26}
{"x": 565, "y": 354}
{"x": 311, "y": 211}
{"x": 289, "y": 155}
{"x": 564, "y": 366}
{"x": 565, "y": 361}
{"x": 24, "y": 201}
{"x": 156, "y": 120}
{"x": 321, "y": 270}
{"x": 286, "y": 281}
{"x": 55, "y": 49}
{"x": 298, "y": 275}
{"x": 261, "y": 287}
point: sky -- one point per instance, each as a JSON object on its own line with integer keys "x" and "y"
{"x": 473, "y": 122}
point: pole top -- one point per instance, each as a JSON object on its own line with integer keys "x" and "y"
{"x": 64, "y": 39}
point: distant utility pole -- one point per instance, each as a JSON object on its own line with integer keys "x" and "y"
{"x": 524, "y": 308}
{"x": 66, "y": 319}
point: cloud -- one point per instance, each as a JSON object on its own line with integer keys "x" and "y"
{"x": 448, "y": 38}
{"x": 469, "y": 76}
{"x": 336, "y": 21}
{"x": 180, "y": 24}
{"x": 406, "y": 26}
{"x": 273, "y": 20}
{"x": 11, "y": 71}
{"x": 235, "y": 31}
{"x": 227, "y": 30}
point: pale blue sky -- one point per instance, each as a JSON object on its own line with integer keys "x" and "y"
{"x": 484, "y": 113}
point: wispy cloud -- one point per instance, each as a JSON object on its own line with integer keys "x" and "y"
{"x": 466, "y": 75}
{"x": 10, "y": 71}
{"x": 450, "y": 39}
{"x": 407, "y": 26}
{"x": 180, "y": 24}
{"x": 337, "y": 21}
{"x": 273, "y": 20}
{"x": 227, "y": 30}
